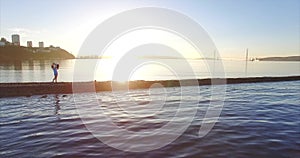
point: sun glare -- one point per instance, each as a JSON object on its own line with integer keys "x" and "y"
{"x": 119, "y": 48}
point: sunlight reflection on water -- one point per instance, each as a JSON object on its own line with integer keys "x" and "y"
{"x": 40, "y": 71}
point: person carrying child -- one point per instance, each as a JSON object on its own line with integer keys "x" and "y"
{"x": 55, "y": 68}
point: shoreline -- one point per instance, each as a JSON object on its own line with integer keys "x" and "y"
{"x": 42, "y": 88}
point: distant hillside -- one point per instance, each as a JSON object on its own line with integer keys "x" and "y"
{"x": 289, "y": 58}
{"x": 17, "y": 53}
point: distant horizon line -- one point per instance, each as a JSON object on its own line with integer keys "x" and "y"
{"x": 174, "y": 57}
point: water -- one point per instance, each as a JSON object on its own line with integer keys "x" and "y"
{"x": 257, "y": 120}
{"x": 40, "y": 71}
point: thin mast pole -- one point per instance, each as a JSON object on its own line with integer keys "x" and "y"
{"x": 246, "y": 60}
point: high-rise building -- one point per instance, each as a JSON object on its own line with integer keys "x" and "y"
{"x": 29, "y": 43}
{"x": 15, "y": 39}
{"x": 41, "y": 44}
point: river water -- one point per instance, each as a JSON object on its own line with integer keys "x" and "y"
{"x": 40, "y": 71}
{"x": 257, "y": 120}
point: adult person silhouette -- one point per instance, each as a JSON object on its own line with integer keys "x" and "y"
{"x": 55, "y": 68}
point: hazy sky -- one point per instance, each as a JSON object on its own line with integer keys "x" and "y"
{"x": 266, "y": 27}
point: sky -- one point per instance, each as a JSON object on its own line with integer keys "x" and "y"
{"x": 265, "y": 27}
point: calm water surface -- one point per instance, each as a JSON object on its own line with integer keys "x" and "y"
{"x": 258, "y": 120}
{"x": 40, "y": 71}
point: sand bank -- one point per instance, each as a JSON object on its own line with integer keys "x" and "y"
{"x": 41, "y": 88}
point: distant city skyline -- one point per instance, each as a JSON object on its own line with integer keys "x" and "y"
{"x": 266, "y": 27}
{"x": 16, "y": 41}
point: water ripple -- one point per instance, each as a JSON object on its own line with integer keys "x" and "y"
{"x": 258, "y": 120}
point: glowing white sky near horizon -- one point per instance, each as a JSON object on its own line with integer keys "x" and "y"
{"x": 142, "y": 36}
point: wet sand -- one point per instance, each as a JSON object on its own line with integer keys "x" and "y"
{"x": 42, "y": 88}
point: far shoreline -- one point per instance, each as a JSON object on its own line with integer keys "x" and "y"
{"x": 43, "y": 88}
